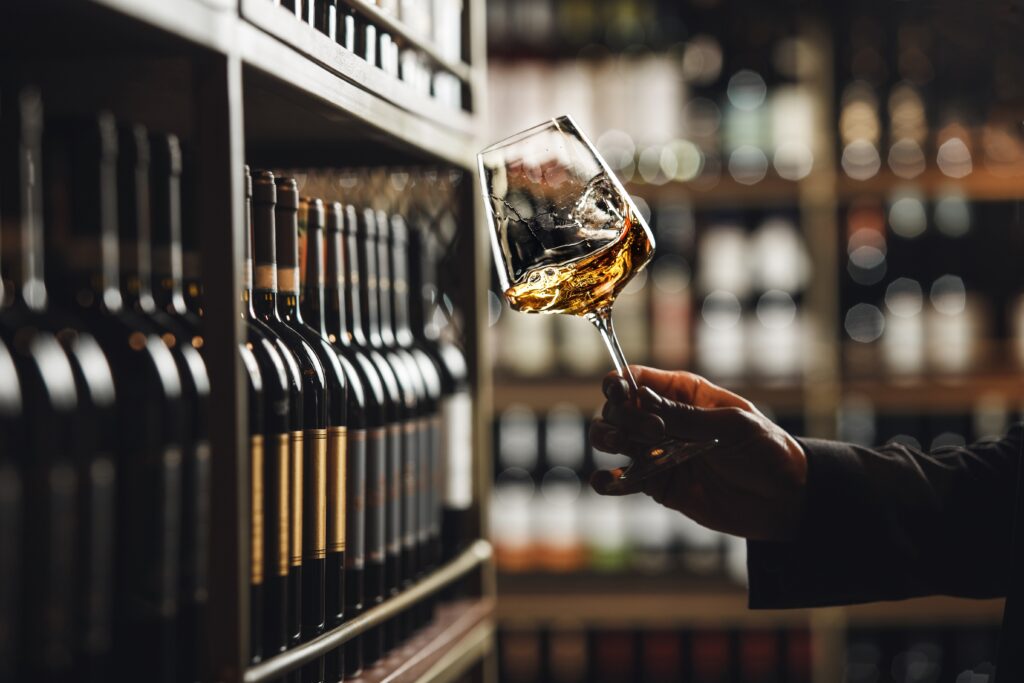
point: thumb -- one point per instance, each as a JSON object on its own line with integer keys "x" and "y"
{"x": 689, "y": 422}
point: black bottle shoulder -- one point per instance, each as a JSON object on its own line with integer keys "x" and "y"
{"x": 334, "y": 373}
{"x": 315, "y": 394}
{"x": 280, "y": 362}
{"x": 375, "y": 396}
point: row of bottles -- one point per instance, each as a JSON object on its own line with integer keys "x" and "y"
{"x": 360, "y": 422}
{"x": 911, "y": 302}
{"x": 361, "y": 465}
{"x": 104, "y": 453}
{"x": 894, "y": 113}
{"x": 435, "y": 22}
{"x": 724, "y": 294}
{"x": 603, "y": 654}
{"x": 546, "y": 518}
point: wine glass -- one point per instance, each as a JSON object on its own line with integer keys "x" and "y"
{"x": 567, "y": 239}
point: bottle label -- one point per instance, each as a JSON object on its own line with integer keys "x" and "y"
{"x": 376, "y": 485}
{"x": 336, "y": 488}
{"x": 396, "y": 445}
{"x": 457, "y": 415}
{"x": 428, "y": 449}
{"x": 256, "y": 528}
{"x": 288, "y": 280}
{"x": 11, "y": 502}
{"x": 410, "y": 493}
{"x": 315, "y": 525}
{"x": 355, "y": 520}
{"x": 296, "y": 442}
{"x": 266, "y": 277}
{"x": 282, "y": 452}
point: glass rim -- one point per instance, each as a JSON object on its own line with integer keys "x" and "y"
{"x": 532, "y": 130}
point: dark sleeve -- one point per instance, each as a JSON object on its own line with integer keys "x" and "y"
{"x": 894, "y": 522}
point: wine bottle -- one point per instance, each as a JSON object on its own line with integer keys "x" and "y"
{"x": 257, "y": 528}
{"x": 134, "y": 227}
{"x": 81, "y": 239}
{"x": 404, "y": 444}
{"x": 453, "y": 516}
{"x": 47, "y": 465}
{"x": 166, "y": 288}
{"x": 283, "y": 415}
{"x": 315, "y": 456}
{"x": 338, "y": 505}
{"x": 314, "y": 393}
{"x": 362, "y": 316}
{"x": 428, "y": 364}
{"x": 12, "y": 502}
{"x": 397, "y": 337}
{"x": 93, "y": 428}
{"x": 337, "y": 294}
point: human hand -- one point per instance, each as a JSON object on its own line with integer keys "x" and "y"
{"x": 751, "y": 484}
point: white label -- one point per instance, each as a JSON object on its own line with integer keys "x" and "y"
{"x": 456, "y": 439}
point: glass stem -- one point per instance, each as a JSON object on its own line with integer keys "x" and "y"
{"x": 602, "y": 320}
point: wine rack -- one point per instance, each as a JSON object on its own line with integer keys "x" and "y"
{"x": 245, "y": 82}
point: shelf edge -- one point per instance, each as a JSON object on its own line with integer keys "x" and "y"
{"x": 476, "y": 555}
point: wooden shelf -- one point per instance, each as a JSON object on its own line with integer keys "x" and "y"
{"x": 585, "y": 393}
{"x": 724, "y": 194}
{"x": 936, "y": 394}
{"x": 981, "y": 184}
{"x": 293, "y": 102}
{"x": 461, "y": 634}
{"x": 671, "y": 601}
{"x": 470, "y": 559}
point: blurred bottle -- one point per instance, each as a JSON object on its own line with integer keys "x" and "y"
{"x": 512, "y": 508}
{"x": 560, "y": 544}
{"x": 724, "y": 277}
{"x": 671, "y": 298}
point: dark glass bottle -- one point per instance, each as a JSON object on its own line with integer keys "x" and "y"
{"x": 257, "y": 531}
{"x": 192, "y": 284}
{"x": 93, "y": 439}
{"x": 372, "y": 431}
{"x": 428, "y": 363}
{"x": 81, "y": 248}
{"x": 166, "y": 288}
{"x": 45, "y": 374}
{"x": 332, "y": 447}
{"x": 339, "y": 505}
{"x": 452, "y": 516}
{"x": 401, "y": 477}
{"x": 315, "y": 398}
{"x": 362, "y": 317}
{"x": 12, "y": 502}
{"x": 282, "y": 415}
{"x": 394, "y": 288}
{"x": 135, "y": 169}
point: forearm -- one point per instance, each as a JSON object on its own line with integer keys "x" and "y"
{"x": 893, "y": 523}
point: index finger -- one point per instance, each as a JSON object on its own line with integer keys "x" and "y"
{"x": 687, "y": 387}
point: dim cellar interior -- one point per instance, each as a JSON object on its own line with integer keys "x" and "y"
{"x": 266, "y": 414}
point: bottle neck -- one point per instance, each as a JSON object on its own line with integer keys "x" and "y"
{"x": 335, "y": 310}
{"x": 287, "y": 241}
{"x": 353, "y": 292}
{"x": 264, "y": 299}
{"x": 400, "y": 288}
{"x": 134, "y": 229}
{"x": 415, "y": 260}
{"x": 190, "y": 250}
{"x": 313, "y": 280}
{"x": 81, "y": 235}
{"x": 247, "y": 310}
{"x": 21, "y": 128}
{"x": 167, "y": 253}
{"x": 368, "y": 296}
{"x": 384, "y": 289}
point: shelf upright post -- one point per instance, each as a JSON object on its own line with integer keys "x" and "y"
{"x": 218, "y": 160}
{"x": 818, "y": 216}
